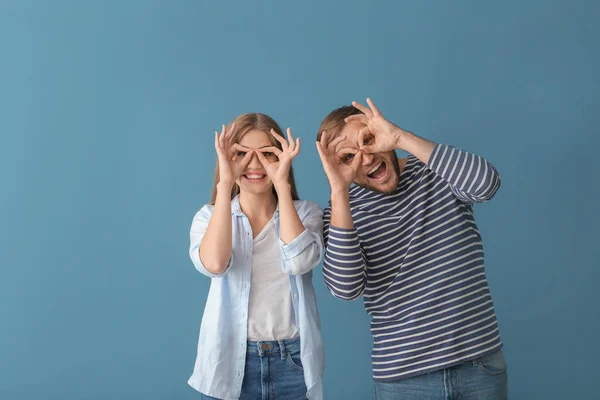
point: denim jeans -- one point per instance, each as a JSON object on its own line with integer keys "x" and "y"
{"x": 485, "y": 378}
{"x": 273, "y": 371}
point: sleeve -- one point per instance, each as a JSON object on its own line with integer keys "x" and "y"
{"x": 305, "y": 251}
{"x": 344, "y": 266}
{"x": 471, "y": 178}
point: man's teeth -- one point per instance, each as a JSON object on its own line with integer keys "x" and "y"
{"x": 375, "y": 168}
{"x": 254, "y": 176}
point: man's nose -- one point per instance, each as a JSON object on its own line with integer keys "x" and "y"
{"x": 367, "y": 159}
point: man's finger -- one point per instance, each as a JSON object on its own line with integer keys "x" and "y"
{"x": 362, "y": 118}
{"x": 361, "y": 135}
{"x": 324, "y": 139}
{"x": 363, "y": 109}
{"x": 374, "y": 108}
{"x": 322, "y": 154}
{"x": 332, "y": 146}
{"x": 357, "y": 161}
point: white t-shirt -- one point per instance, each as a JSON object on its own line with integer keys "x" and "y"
{"x": 270, "y": 309}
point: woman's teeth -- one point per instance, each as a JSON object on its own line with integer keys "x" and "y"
{"x": 254, "y": 176}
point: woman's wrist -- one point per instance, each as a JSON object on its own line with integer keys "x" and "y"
{"x": 282, "y": 187}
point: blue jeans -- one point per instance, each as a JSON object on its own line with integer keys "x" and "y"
{"x": 481, "y": 379}
{"x": 273, "y": 371}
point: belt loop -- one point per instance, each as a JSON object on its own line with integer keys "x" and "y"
{"x": 259, "y": 348}
{"x": 282, "y": 349}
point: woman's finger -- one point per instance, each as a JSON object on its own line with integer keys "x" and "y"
{"x": 280, "y": 139}
{"x": 272, "y": 149}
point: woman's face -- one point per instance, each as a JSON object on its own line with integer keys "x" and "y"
{"x": 254, "y": 179}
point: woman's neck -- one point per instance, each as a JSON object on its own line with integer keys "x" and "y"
{"x": 258, "y": 206}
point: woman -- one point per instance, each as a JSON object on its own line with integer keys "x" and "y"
{"x": 260, "y": 334}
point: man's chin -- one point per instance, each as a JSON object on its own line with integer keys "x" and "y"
{"x": 390, "y": 184}
{"x": 387, "y": 187}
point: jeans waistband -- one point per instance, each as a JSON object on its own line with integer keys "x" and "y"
{"x": 274, "y": 346}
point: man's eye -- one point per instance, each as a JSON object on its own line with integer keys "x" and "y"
{"x": 368, "y": 140}
{"x": 241, "y": 153}
{"x": 348, "y": 157}
{"x": 268, "y": 154}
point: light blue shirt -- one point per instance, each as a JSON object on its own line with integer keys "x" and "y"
{"x": 219, "y": 368}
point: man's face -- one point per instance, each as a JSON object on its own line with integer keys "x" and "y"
{"x": 378, "y": 171}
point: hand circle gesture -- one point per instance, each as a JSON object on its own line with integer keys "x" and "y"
{"x": 229, "y": 169}
{"x": 379, "y": 134}
{"x": 339, "y": 174}
{"x": 279, "y": 171}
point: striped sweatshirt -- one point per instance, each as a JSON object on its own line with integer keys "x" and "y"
{"x": 416, "y": 257}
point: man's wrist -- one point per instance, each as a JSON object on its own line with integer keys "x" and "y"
{"x": 340, "y": 196}
{"x": 401, "y": 138}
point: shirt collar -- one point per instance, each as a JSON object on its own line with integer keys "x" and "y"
{"x": 235, "y": 206}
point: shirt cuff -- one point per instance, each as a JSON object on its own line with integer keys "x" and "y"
{"x": 297, "y": 245}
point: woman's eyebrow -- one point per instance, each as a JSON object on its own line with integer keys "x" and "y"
{"x": 255, "y": 148}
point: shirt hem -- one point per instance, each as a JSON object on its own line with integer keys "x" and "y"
{"x": 492, "y": 350}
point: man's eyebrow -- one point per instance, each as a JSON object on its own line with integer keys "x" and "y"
{"x": 345, "y": 148}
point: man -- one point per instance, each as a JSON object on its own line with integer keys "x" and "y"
{"x": 402, "y": 234}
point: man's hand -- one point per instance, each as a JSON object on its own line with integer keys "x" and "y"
{"x": 340, "y": 175}
{"x": 379, "y": 135}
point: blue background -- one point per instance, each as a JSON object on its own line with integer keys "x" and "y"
{"x": 106, "y": 117}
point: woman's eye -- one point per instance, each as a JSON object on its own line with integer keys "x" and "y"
{"x": 348, "y": 157}
{"x": 241, "y": 153}
{"x": 368, "y": 140}
{"x": 268, "y": 154}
